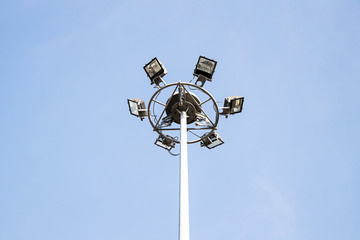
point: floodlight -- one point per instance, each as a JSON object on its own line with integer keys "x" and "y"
{"x": 155, "y": 71}
{"x": 164, "y": 142}
{"x": 137, "y": 108}
{"x": 233, "y": 105}
{"x": 204, "y": 69}
{"x": 212, "y": 141}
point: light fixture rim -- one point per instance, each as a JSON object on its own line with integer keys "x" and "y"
{"x": 138, "y": 102}
{"x": 160, "y": 74}
{"x": 229, "y": 100}
{"x": 162, "y": 137}
{"x": 202, "y": 73}
{"x": 218, "y": 138}
{"x": 133, "y": 100}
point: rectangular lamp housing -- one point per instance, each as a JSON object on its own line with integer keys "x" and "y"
{"x": 137, "y": 107}
{"x": 205, "y": 67}
{"x": 163, "y": 142}
{"x": 212, "y": 141}
{"x": 155, "y": 69}
{"x": 234, "y": 104}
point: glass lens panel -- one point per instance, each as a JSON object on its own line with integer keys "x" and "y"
{"x": 134, "y": 108}
{"x": 162, "y": 144}
{"x": 153, "y": 68}
{"x": 236, "y": 106}
{"x": 206, "y": 65}
{"x": 215, "y": 143}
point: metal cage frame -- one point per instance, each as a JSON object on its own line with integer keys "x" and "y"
{"x": 177, "y": 86}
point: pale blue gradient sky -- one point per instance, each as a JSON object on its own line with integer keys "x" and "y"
{"x": 75, "y": 165}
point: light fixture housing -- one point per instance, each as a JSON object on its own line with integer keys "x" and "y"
{"x": 165, "y": 143}
{"x": 204, "y": 69}
{"x": 137, "y": 108}
{"x": 233, "y": 105}
{"x": 211, "y": 141}
{"x": 155, "y": 70}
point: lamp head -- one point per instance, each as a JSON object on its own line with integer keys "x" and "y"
{"x": 164, "y": 142}
{"x": 205, "y": 68}
{"x": 233, "y": 105}
{"x": 155, "y": 70}
{"x": 211, "y": 141}
{"x": 137, "y": 107}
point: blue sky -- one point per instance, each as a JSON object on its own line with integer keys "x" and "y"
{"x": 74, "y": 164}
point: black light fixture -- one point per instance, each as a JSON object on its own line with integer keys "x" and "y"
{"x": 204, "y": 70}
{"x": 164, "y": 142}
{"x": 137, "y": 108}
{"x": 233, "y": 105}
{"x": 155, "y": 70}
{"x": 213, "y": 140}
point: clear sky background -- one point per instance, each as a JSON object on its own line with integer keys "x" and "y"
{"x": 74, "y": 164}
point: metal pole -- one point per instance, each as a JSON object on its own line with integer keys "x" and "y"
{"x": 184, "y": 230}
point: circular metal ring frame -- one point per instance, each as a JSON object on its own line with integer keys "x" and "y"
{"x": 152, "y": 101}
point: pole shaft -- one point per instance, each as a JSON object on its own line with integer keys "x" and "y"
{"x": 184, "y": 229}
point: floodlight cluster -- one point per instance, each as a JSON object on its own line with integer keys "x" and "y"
{"x": 204, "y": 70}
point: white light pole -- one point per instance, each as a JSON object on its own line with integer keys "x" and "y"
{"x": 184, "y": 225}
